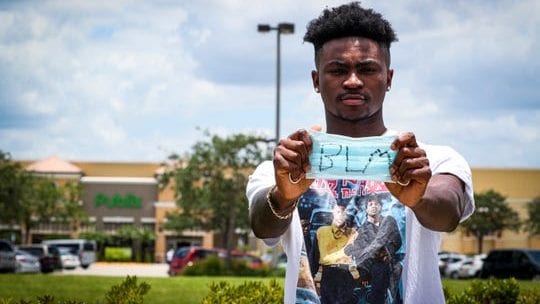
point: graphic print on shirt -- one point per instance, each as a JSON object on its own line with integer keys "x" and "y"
{"x": 354, "y": 242}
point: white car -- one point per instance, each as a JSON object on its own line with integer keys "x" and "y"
{"x": 68, "y": 259}
{"x": 453, "y": 265}
{"x": 472, "y": 267}
{"x": 450, "y": 262}
{"x": 26, "y": 263}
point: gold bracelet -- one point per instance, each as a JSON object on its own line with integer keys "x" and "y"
{"x": 271, "y": 205}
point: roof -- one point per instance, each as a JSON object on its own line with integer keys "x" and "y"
{"x": 53, "y": 164}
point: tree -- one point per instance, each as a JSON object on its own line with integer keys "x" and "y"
{"x": 39, "y": 204}
{"x": 71, "y": 209}
{"x": 210, "y": 185}
{"x": 11, "y": 191}
{"x": 138, "y": 239}
{"x": 25, "y": 199}
{"x": 532, "y": 224}
{"x": 492, "y": 216}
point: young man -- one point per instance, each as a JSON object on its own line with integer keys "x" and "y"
{"x": 353, "y": 74}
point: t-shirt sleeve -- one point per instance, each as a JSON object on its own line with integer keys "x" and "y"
{"x": 260, "y": 181}
{"x": 445, "y": 160}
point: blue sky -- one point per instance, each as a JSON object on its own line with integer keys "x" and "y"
{"x": 133, "y": 80}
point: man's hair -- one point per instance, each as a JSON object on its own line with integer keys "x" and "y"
{"x": 350, "y": 20}
{"x": 374, "y": 198}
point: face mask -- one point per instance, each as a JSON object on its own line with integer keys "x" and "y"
{"x": 343, "y": 157}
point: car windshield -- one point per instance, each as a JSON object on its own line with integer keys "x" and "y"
{"x": 65, "y": 250}
{"x": 71, "y": 247}
{"x": 89, "y": 246}
{"x": 322, "y": 218}
{"x": 181, "y": 253}
{"x": 536, "y": 256}
{"x": 22, "y": 252}
{"x": 34, "y": 251}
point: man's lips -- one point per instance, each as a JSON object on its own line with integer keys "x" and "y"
{"x": 353, "y": 99}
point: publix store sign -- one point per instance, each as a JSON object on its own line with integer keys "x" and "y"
{"x": 129, "y": 200}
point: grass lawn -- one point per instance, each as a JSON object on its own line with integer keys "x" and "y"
{"x": 92, "y": 289}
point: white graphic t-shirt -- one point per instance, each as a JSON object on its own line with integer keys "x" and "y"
{"x": 354, "y": 243}
{"x": 351, "y": 241}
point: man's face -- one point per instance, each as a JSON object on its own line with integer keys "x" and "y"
{"x": 339, "y": 216}
{"x": 373, "y": 208}
{"x": 352, "y": 77}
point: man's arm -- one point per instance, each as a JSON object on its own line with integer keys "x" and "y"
{"x": 291, "y": 161}
{"x": 262, "y": 221}
{"x": 442, "y": 205}
{"x": 437, "y": 201}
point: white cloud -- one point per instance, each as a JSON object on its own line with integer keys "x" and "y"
{"x": 131, "y": 80}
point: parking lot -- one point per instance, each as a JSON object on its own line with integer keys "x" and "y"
{"x": 119, "y": 269}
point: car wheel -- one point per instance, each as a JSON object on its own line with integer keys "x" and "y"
{"x": 454, "y": 275}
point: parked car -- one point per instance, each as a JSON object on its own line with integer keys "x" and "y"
{"x": 7, "y": 257}
{"x": 68, "y": 259}
{"x": 449, "y": 259}
{"x": 453, "y": 264}
{"x": 86, "y": 250}
{"x": 472, "y": 267}
{"x": 187, "y": 256}
{"x": 26, "y": 263}
{"x": 251, "y": 260}
{"x": 49, "y": 256}
{"x": 516, "y": 263}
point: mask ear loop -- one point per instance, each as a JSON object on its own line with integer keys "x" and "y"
{"x": 404, "y": 184}
{"x": 294, "y": 182}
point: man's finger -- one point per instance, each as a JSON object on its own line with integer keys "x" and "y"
{"x": 405, "y": 139}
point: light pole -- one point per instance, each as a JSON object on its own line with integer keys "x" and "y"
{"x": 281, "y": 28}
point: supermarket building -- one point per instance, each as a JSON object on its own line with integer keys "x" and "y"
{"x": 127, "y": 193}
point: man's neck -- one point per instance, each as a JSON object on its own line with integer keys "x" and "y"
{"x": 355, "y": 128}
{"x": 374, "y": 219}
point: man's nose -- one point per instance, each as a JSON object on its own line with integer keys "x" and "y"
{"x": 353, "y": 81}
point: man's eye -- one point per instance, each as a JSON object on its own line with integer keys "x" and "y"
{"x": 368, "y": 70}
{"x": 337, "y": 71}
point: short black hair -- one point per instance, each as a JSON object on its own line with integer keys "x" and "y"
{"x": 350, "y": 20}
{"x": 375, "y": 198}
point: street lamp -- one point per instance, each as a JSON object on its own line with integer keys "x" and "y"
{"x": 282, "y": 28}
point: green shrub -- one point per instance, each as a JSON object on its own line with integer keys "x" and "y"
{"x": 529, "y": 297}
{"x": 211, "y": 266}
{"x": 494, "y": 291}
{"x": 249, "y": 292}
{"x": 215, "y": 266}
{"x": 45, "y": 299}
{"x": 117, "y": 254}
{"x": 128, "y": 292}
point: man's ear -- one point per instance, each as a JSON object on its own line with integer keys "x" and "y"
{"x": 389, "y": 76}
{"x": 315, "y": 79}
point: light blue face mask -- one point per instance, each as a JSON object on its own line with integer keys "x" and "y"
{"x": 342, "y": 157}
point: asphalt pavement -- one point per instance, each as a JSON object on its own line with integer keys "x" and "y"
{"x": 119, "y": 269}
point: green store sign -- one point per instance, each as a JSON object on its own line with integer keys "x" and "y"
{"x": 118, "y": 201}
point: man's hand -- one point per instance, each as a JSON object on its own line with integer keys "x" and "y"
{"x": 410, "y": 170}
{"x": 291, "y": 161}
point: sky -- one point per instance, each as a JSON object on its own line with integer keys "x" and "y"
{"x": 139, "y": 80}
